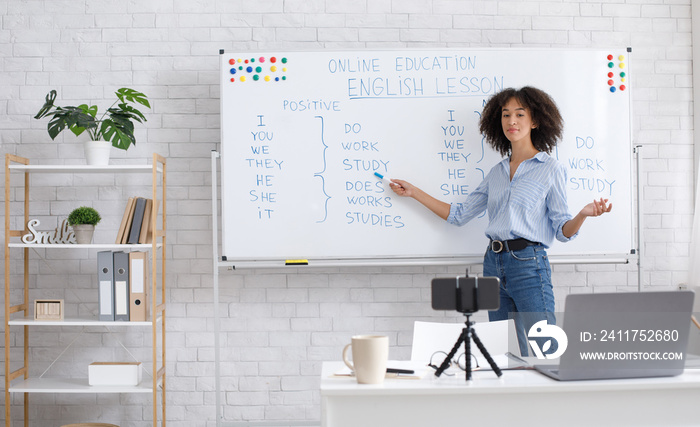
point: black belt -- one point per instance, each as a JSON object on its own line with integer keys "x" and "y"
{"x": 499, "y": 246}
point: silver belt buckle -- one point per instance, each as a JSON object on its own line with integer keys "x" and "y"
{"x": 500, "y": 246}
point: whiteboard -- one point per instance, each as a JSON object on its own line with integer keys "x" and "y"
{"x": 302, "y": 134}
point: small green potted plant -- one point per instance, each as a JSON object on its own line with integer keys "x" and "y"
{"x": 83, "y": 221}
{"x": 114, "y": 128}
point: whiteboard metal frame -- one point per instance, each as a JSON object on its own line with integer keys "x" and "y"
{"x": 615, "y": 257}
{"x": 640, "y": 236}
{"x": 215, "y": 247}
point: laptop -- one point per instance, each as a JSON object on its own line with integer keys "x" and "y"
{"x": 623, "y": 335}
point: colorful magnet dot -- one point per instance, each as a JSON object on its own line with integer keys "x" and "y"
{"x": 622, "y": 65}
{"x": 610, "y": 65}
{"x": 622, "y": 79}
{"x": 610, "y": 82}
{"x": 623, "y": 74}
{"x": 610, "y": 74}
{"x": 623, "y": 87}
{"x": 621, "y": 57}
{"x": 255, "y": 71}
{"x": 610, "y": 57}
{"x": 612, "y": 89}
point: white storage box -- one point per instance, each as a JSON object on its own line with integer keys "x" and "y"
{"x": 114, "y": 373}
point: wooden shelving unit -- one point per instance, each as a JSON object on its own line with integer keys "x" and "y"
{"x": 19, "y": 316}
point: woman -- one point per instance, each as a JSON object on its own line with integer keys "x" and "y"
{"x": 525, "y": 196}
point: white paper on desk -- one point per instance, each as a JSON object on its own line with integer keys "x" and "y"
{"x": 479, "y": 363}
{"x": 502, "y": 361}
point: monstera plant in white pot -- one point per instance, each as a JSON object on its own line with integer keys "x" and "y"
{"x": 114, "y": 128}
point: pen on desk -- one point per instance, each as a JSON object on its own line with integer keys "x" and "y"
{"x": 399, "y": 371}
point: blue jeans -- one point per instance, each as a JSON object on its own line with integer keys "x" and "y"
{"x": 525, "y": 290}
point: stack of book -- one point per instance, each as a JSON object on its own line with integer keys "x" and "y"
{"x": 136, "y": 222}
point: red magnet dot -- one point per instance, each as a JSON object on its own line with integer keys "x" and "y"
{"x": 231, "y": 61}
{"x": 610, "y": 82}
{"x": 610, "y": 74}
{"x": 232, "y": 79}
{"x": 262, "y": 59}
{"x": 610, "y": 57}
{"x": 273, "y": 59}
{"x": 623, "y": 87}
{"x": 246, "y": 61}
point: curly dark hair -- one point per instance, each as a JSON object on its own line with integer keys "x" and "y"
{"x": 544, "y": 113}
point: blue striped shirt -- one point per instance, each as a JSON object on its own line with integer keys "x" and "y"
{"x": 532, "y": 206}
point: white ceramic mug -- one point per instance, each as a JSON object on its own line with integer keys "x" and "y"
{"x": 369, "y": 358}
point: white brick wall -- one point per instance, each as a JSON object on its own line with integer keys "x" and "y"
{"x": 277, "y": 327}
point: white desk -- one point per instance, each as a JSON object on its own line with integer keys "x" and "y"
{"x": 518, "y": 398}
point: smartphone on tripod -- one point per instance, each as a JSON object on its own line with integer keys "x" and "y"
{"x": 465, "y": 294}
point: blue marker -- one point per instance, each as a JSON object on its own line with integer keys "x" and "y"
{"x": 381, "y": 176}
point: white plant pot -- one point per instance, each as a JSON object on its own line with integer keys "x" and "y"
{"x": 97, "y": 152}
{"x": 83, "y": 233}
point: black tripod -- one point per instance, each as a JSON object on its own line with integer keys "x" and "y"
{"x": 465, "y": 337}
{"x": 468, "y": 334}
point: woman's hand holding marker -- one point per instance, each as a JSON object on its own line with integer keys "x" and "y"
{"x": 406, "y": 189}
{"x": 401, "y": 187}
